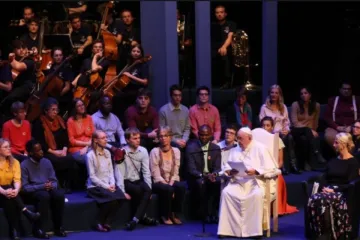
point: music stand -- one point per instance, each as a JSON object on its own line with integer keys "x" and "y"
{"x": 57, "y": 40}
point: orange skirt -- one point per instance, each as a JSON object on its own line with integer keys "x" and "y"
{"x": 283, "y": 207}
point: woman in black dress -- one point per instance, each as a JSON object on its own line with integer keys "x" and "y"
{"x": 50, "y": 131}
{"x": 101, "y": 182}
{"x": 330, "y": 198}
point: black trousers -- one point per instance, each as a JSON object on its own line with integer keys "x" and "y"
{"x": 221, "y": 68}
{"x": 107, "y": 212}
{"x": 289, "y": 151}
{"x": 140, "y": 194}
{"x": 12, "y": 208}
{"x": 44, "y": 201}
{"x": 207, "y": 194}
{"x": 168, "y": 203}
{"x": 309, "y": 144}
{"x": 65, "y": 167}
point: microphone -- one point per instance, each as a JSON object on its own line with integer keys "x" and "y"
{"x": 229, "y": 147}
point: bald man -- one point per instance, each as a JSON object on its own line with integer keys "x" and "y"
{"x": 242, "y": 200}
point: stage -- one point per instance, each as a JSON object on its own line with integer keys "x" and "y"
{"x": 80, "y": 212}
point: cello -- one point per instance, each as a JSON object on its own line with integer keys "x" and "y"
{"x": 51, "y": 85}
{"x": 118, "y": 83}
{"x": 110, "y": 45}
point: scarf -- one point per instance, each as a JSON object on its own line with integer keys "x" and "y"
{"x": 242, "y": 118}
{"x": 50, "y": 127}
{"x": 161, "y": 163}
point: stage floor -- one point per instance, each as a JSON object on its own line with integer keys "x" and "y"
{"x": 290, "y": 226}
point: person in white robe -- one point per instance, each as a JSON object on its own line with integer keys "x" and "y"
{"x": 226, "y": 146}
{"x": 242, "y": 200}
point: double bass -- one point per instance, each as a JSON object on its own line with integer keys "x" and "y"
{"x": 110, "y": 45}
{"x": 51, "y": 86}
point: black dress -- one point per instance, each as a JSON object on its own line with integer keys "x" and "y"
{"x": 338, "y": 174}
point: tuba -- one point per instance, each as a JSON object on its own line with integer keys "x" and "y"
{"x": 240, "y": 49}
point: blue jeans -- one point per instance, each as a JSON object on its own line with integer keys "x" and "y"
{"x": 79, "y": 158}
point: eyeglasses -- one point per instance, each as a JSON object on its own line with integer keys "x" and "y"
{"x": 229, "y": 132}
{"x": 164, "y": 136}
{"x": 203, "y": 94}
{"x": 6, "y": 147}
{"x": 356, "y": 127}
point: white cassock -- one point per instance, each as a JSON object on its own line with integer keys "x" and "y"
{"x": 224, "y": 158}
{"x": 242, "y": 200}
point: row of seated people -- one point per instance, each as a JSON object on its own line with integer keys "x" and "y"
{"x": 197, "y": 165}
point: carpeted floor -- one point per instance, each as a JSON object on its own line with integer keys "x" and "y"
{"x": 290, "y": 227}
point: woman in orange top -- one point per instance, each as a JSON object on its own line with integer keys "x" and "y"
{"x": 10, "y": 184}
{"x": 80, "y": 128}
{"x": 283, "y": 208}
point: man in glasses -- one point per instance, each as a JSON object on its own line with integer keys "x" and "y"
{"x": 341, "y": 112}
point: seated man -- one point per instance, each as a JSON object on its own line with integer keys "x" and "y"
{"x": 108, "y": 122}
{"x": 144, "y": 117}
{"x": 242, "y": 200}
{"x": 226, "y": 145}
{"x": 341, "y": 112}
{"x": 134, "y": 173}
{"x": 40, "y": 187}
{"x": 17, "y": 131}
{"x": 203, "y": 167}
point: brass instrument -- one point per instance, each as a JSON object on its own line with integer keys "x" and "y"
{"x": 241, "y": 57}
{"x": 181, "y": 31}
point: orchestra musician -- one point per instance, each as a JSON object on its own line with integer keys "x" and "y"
{"x": 138, "y": 75}
{"x": 66, "y": 74}
{"x": 80, "y": 35}
{"x": 23, "y": 73}
{"x": 130, "y": 38}
{"x": 31, "y": 38}
{"x": 114, "y": 27}
{"x": 28, "y": 13}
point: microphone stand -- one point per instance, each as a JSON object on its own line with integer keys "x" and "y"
{"x": 204, "y": 233}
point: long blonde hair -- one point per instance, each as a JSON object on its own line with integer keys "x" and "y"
{"x": 346, "y": 140}
{"x": 94, "y": 145}
{"x": 280, "y": 103}
{"x": 10, "y": 158}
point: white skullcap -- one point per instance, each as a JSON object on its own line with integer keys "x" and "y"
{"x": 246, "y": 130}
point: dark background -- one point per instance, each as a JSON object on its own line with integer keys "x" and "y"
{"x": 318, "y": 43}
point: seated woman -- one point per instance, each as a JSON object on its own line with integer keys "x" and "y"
{"x": 275, "y": 108}
{"x": 17, "y": 131}
{"x": 267, "y": 123}
{"x": 80, "y": 128}
{"x": 240, "y": 112}
{"x": 164, "y": 165}
{"x": 101, "y": 182}
{"x": 356, "y": 139}
{"x": 305, "y": 119}
{"x": 50, "y": 131}
{"x": 330, "y": 199}
{"x": 10, "y": 184}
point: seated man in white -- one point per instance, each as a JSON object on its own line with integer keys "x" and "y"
{"x": 242, "y": 200}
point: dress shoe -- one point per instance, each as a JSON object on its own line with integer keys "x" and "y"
{"x": 60, "y": 232}
{"x": 215, "y": 219}
{"x": 31, "y": 216}
{"x": 295, "y": 170}
{"x": 166, "y": 221}
{"x": 221, "y": 236}
{"x": 131, "y": 225}
{"x": 149, "y": 221}
{"x": 175, "y": 219}
{"x": 100, "y": 228}
{"x": 40, "y": 234}
{"x": 15, "y": 235}
{"x": 107, "y": 227}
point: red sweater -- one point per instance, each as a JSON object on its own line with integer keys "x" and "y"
{"x": 18, "y": 136}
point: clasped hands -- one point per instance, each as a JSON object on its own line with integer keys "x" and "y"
{"x": 48, "y": 186}
{"x": 112, "y": 188}
{"x": 11, "y": 193}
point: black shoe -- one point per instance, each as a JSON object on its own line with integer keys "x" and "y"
{"x": 60, "y": 232}
{"x": 31, "y": 216}
{"x": 215, "y": 219}
{"x": 131, "y": 225}
{"x": 295, "y": 170}
{"x": 107, "y": 227}
{"x": 40, "y": 234}
{"x": 15, "y": 235}
{"x": 149, "y": 221}
{"x": 98, "y": 227}
{"x": 284, "y": 171}
{"x": 221, "y": 236}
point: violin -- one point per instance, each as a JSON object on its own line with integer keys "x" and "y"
{"x": 51, "y": 86}
{"x": 15, "y": 73}
{"x": 121, "y": 81}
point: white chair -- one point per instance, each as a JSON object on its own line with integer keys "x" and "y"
{"x": 271, "y": 141}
